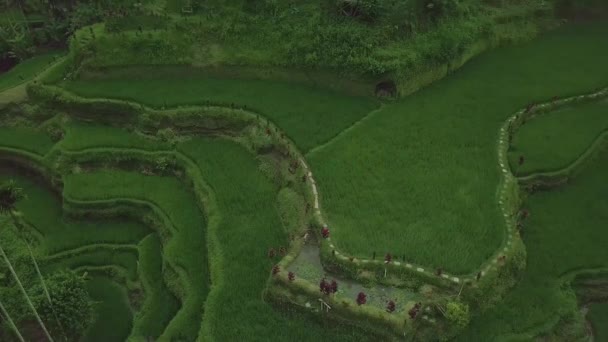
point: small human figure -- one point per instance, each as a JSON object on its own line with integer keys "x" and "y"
{"x": 521, "y": 160}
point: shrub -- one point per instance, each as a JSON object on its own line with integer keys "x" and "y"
{"x": 71, "y": 304}
{"x": 458, "y": 314}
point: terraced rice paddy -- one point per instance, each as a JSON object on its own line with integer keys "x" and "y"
{"x": 419, "y": 176}
{"x": 310, "y": 116}
{"x": 553, "y": 141}
{"x": 174, "y": 235}
{"x": 561, "y": 238}
{"x": 26, "y": 70}
{"x": 134, "y": 251}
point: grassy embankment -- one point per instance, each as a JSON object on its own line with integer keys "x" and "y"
{"x": 249, "y": 226}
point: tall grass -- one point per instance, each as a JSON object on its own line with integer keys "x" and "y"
{"x": 249, "y": 226}
{"x": 186, "y": 249}
{"x": 554, "y": 140}
{"x": 310, "y": 116}
{"x": 564, "y": 234}
{"x": 419, "y": 177}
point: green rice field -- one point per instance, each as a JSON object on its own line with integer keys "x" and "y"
{"x": 27, "y": 70}
{"x": 419, "y": 176}
{"x": 402, "y": 217}
{"x": 310, "y": 116}
{"x": 553, "y": 141}
{"x": 560, "y": 237}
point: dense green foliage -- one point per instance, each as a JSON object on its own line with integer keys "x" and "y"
{"x": 419, "y": 176}
{"x": 70, "y": 310}
{"x": 396, "y": 38}
{"x": 554, "y": 140}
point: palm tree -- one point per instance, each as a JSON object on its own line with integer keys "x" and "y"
{"x": 10, "y": 194}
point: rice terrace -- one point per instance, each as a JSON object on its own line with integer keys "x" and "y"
{"x": 303, "y": 170}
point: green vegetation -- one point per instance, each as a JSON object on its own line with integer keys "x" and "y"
{"x": 26, "y": 70}
{"x": 185, "y": 249}
{"x": 552, "y": 141}
{"x": 220, "y": 170}
{"x": 310, "y": 116}
{"x": 419, "y": 176}
{"x": 42, "y": 209}
{"x": 598, "y": 316}
{"x": 561, "y": 236}
{"x": 80, "y": 136}
{"x": 246, "y": 231}
{"x": 69, "y": 312}
{"x": 113, "y": 316}
{"x": 161, "y": 305}
{"x": 26, "y": 138}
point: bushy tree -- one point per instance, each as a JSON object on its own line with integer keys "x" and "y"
{"x": 458, "y": 314}
{"x": 71, "y": 309}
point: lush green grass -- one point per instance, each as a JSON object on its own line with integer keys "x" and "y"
{"x": 187, "y": 248}
{"x": 80, "y": 135}
{"x": 160, "y": 305}
{"x": 564, "y": 233}
{"x": 26, "y": 70}
{"x": 554, "y": 140}
{"x": 598, "y": 316}
{"x": 249, "y": 226}
{"x": 310, "y": 116}
{"x": 419, "y": 177}
{"x": 113, "y": 315}
{"x": 26, "y": 138}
